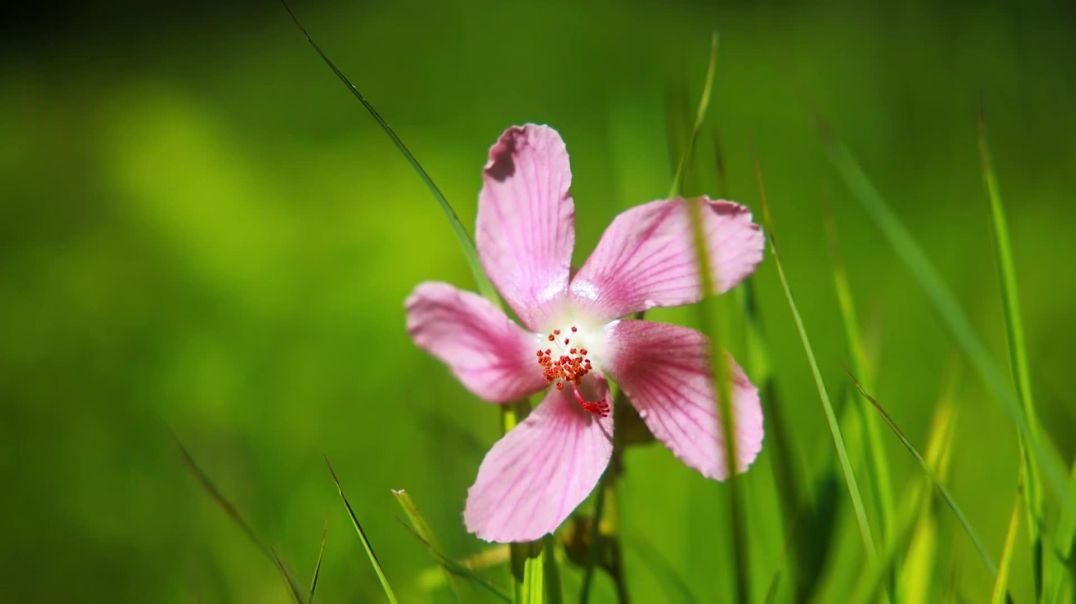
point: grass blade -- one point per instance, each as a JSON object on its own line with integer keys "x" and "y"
{"x": 954, "y": 318}
{"x": 464, "y": 238}
{"x": 944, "y": 492}
{"x": 1063, "y": 579}
{"x": 700, "y": 116}
{"x": 533, "y": 588}
{"x": 233, "y": 513}
{"x": 362, "y": 536}
{"x": 676, "y": 588}
{"x": 317, "y": 567}
{"x": 1001, "y": 582}
{"x": 462, "y": 570}
{"x": 422, "y": 527}
{"x": 914, "y": 518}
{"x": 433, "y": 577}
{"x": 1014, "y": 332}
{"x": 709, "y": 318}
{"x": 831, "y": 418}
{"x": 876, "y": 457}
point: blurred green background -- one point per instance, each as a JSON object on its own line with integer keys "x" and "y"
{"x": 203, "y": 233}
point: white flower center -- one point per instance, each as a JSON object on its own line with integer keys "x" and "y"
{"x": 567, "y": 354}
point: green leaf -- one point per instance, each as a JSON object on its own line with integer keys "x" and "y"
{"x": 464, "y": 238}
{"x": 362, "y": 537}
{"x": 827, "y": 407}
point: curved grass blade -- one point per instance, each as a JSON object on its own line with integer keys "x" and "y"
{"x": 1014, "y": 332}
{"x": 1001, "y": 582}
{"x": 422, "y": 527}
{"x": 700, "y": 116}
{"x": 917, "y": 261}
{"x": 433, "y": 577}
{"x": 827, "y": 407}
{"x": 459, "y": 569}
{"x": 944, "y": 492}
{"x": 317, "y": 567}
{"x": 876, "y": 457}
{"x": 914, "y": 516}
{"x": 233, "y": 513}
{"x": 362, "y": 536}
{"x": 464, "y": 238}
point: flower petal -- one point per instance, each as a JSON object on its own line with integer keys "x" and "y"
{"x": 665, "y": 372}
{"x": 647, "y": 257}
{"x": 490, "y": 354}
{"x": 526, "y": 220}
{"x": 533, "y": 478}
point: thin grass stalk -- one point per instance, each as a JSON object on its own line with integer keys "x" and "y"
{"x": 700, "y": 116}
{"x": 233, "y": 512}
{"x": 708, "y": 315}
{"x": 827, "y": 407}
{"x": 462, "y": 236}
{"x": 462, "y": 570}
{"x": 1063, "y": 579}
{"x": 433, "y": 577}
{"x": 1001, "y": 582}
{"x": 317, "y": 565}
{"x": 953, "y": 317}
{"x": 914, "y": 511}
{"x": 876, "y": 457}
{"x": 719, "y": 368}
{"x": 1014, "y": 332}
{"x": 961, "y": 518}
{"x": 385, "y": 585}
{"x": 796, "y": 501}
{"x": 422, "y": 527}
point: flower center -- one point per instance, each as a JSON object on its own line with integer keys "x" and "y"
{"x": 564, "y": 364}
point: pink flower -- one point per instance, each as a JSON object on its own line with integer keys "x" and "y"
{"x": 573, "y": 335}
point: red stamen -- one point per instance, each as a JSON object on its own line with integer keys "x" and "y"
{"x": 599, "y": 408}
